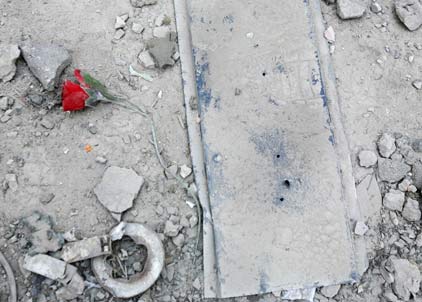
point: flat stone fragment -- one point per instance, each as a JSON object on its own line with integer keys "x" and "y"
{"x": 330, "y": 291}
{"x": 367, "y": 158}
{"x": 386, "y": 145}
{"x": 86, "y": 249}
{"x": 146, "y": 59}
{"x": 9, "y": 53}
{"x": 162, "y": 50}
{"x": 394, "y": 200}
{"x": 410, "y": 13}
{"x": 350, "y": 9}
{"x": 360, "y": 229}
{"x": 392, "y": 170}
{"x": 118, "y": 188}
{"x": 407, "y": 278}
{"x": 411, "y": 210}
{"x": 46, "y": 266}
{"x": 46, "y": 61}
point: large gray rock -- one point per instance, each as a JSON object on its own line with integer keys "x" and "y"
{"x": 407, "y": 278}
{"x": 350, "y": 9}
{"x": 410, "y": 13}
{"x": 46, "y": 62}
{"x": 386, "y": 145}
{"x": 411, "y": 211}
{"x": 392, "y": 170}
{"x": 8, "y": 56}
{"x": 118, "y": 188}
{"x": 394, "y": 200}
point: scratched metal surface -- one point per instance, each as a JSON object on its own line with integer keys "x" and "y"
{"x": 279, "y": 215}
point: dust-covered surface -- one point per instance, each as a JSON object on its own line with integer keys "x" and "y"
{"x": 44, "y": 165}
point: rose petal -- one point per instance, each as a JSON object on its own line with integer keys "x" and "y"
{"x": 73, "y": 97}
{"x": 80, "y": 78}
{"x": 74, "y": 101}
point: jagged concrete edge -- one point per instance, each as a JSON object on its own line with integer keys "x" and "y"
{"x": 182, "y": 17}
{"x": 342, "y": 143}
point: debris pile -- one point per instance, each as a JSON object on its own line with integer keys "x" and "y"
{"x": 62, "y": 261}
{"x": 393, "y": 221}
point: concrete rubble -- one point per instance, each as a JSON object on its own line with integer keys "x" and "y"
{"x": 57, "y": 270}
{"x": 410, "y": 13}
{"x": 162, "y": 49}
{"x": 351, "y": 9}
{"x": 118, "y": 189}
{"x": 392, "y": 170}
{"x": 46, "y": 61}
{"x": 367, "y": 158}
{"x": 394, "y": 200}
{"x": 386, "y": 145}
{"x": 9, "y": 53}
{"x": 407, "y": 278}
{"x": 86, "y": 249}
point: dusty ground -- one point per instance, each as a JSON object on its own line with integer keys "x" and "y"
{"x": 375, "y": 97}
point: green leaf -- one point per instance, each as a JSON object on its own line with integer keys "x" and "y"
{"x": 97, "y": 85}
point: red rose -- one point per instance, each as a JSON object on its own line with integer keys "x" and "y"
{"x": 73, "y": 96}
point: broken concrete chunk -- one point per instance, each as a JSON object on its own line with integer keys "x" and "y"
{"x": 46, "y": 61}
{"x": 410, "y": 13}
{"x": 120, "y": 33}
{"x": 350, "y": 9}
{"x": 392, "y": 170}
{"x": 185, "y": 171}
{"x": 118, "y": 188}
{"x": 162, "y": 19}
{"x": 376, "y": 7}
{"x": 394, "y": 200}
{"x": 407, "y": 278}
{"x": 360, "y": 229}
{"x": 367, "y": 158}
{"x": 146, "y": 59}
{"x": 386, "y": 145}
{"x": 330, "y": 291}
{"x": 411, "y": 210}
{"x": 120, "y": 23}
{"x": 171, "y": 229}
{"x": 142, "y": 3}
{"x": 86, "y": 249}
{"x": 417, "y": 145}
{"x": 137, "y": 28}
{"x": 8, "y": 56}
{"x": 330, "y": 35}
{"x": 162, "y": 50}
{"x": 46, "y": 266}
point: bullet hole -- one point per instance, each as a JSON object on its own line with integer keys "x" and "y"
{"x": 281, "y": 199}
{"x": 278, "y": 156}
{"x": 264, "y": 74}
{"x": 287, "y": 183}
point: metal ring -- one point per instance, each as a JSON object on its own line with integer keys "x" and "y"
{"x": 138, "y": 283}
